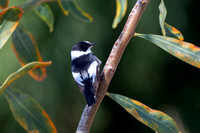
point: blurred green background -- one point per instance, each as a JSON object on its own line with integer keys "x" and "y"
{"x": 146, "y": 73}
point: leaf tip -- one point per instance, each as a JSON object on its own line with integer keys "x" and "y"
{"x": 47, "y": 63}
{"x": 114, "y": 25}
{"x": 63, "y": 8}
{"x": 37, "y": 76}
{"x": 121, "y": 7}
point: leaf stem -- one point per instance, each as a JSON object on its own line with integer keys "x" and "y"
{"x": 112, "y": 64}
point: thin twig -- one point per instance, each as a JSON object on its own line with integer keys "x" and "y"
{"x": 111, "y": 64}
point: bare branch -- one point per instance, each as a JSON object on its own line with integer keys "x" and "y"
{"x": 112, "y": 64}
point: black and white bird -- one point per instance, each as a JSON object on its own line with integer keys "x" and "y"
{"x": 85, "y": 69}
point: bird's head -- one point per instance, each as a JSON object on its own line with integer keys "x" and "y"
{"x": 80, "y": 49}
{"x": 83, "y": 46}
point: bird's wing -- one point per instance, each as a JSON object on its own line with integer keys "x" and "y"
{"x": 98, "y": 74}
{"x": 78, "y": 77}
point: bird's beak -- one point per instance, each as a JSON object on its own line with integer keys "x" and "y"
{"x": 92, "y": 44}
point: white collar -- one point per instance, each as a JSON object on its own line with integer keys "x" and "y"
{"x": 75, "y": 53}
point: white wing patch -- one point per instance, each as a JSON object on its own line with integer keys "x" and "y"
{"x": 75, "y": 54}
{"x": 92, "y": 70}
{"x": 77, "y": 77}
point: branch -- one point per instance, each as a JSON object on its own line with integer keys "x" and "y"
{"x": 111, "y": 64}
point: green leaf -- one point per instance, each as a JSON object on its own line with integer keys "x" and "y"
{"x": 121, "y": 7}
{"x": 156, "y": 120}
{"x": 78, "y": 12}
{"x": 162, "y": 16}
{"x": 173, "y": 32}
{"x": 26, "y": 50}
{"x": 28, "y": 113}
{"x": 64, "y": 6}
{"x": 9, "y": 19}
{"x": 46, "y": 14}
{"x": 167, "y": 30}
{"x": 4, "y": 4}
{"x": 23, "y": 70}
{"x": 30, "y": 4}
{"x": 185, "y": 51}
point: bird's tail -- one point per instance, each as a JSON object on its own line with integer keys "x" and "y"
{"x": 89, "y": 91}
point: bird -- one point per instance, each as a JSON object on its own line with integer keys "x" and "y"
{"x": 85, "y": 67}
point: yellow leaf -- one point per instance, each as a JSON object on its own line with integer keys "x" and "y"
{"x": 121, "y": 7}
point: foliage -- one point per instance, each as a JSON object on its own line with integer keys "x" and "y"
{"x": 154, "y": 119}
{"x": 46, "y": 14}
{"x": 76, "y": 10}
{"x": 9, "y": 19}
{"x": 4, "y": 3}
{"x": 27, "y": 112}
{"x": 30, "y": 115}
{"x": 121, "y": 7}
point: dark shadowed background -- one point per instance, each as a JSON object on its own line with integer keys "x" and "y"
{"x": 146, "y": 73}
